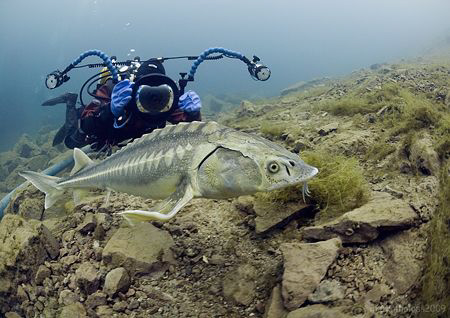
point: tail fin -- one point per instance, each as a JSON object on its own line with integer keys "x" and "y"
{"x": 46, "y": 184}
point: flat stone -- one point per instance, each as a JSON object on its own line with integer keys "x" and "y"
{"x": 157, "y": 294}
{"x": 396, "y": 193}
{"x": 383, "y": 212}
{"x": 305, "y": 264}
{"x": 402, "y": 268}
{"x": 274, "y": 306}
{"x": 327, "y": 291}
{"x": 69, "y": 260}
{"x": 67, "y": 297}
{"x": 140, "y": 249}
{"x": 317, "y": 311}
{"x": 239, "y": 284}
{"x": 328, "y": 129}
{"x": 12, "y": 314}
{"x": 116, "y": 281}
{"x": 96, "y": 299}
{"x": 87, "y": 278}
{"x": 271, "y": 215}
{"x": 376, "y": 293}
{"x": 75, "y": 310}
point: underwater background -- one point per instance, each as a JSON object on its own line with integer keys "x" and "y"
{"x": 297, "y": 40}
{"x": 359, "y": 90}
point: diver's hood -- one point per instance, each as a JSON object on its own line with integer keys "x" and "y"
{"x": 158, "y": 94}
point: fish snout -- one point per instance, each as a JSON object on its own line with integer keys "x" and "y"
{"x": 306, "y": 172}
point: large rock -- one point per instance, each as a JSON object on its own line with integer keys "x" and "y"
{"x": 25, "y": 148}
{"x": 303, "y": 86}
{"x": 403, "y": 253}
{"x": 239, "y": 284}
{"x": 364, "y": 224}
{"x": 247, "y": 109}
{"x": 28, "y": 202}
{"x": 317, "y": 311}
{"x": 270, "y": 215}
{"x": 23, "y": 247}
{"x": 274, "y": 306}
{"x": 9, "y": 161}
{"x": 37, "y": 163}
{"x": 140, "y": 249}
{"x": 305, "y": 264}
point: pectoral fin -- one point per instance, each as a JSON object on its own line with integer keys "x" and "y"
{"x": 166, "y": 209}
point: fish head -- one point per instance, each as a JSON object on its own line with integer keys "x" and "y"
{"x": 254, "y": 164}
{"x": 278, "y": 167}
{"x": 279, "y": 171}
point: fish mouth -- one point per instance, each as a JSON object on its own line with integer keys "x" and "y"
{"x": 314, "y": 171}
{"x": 299, "y": 180}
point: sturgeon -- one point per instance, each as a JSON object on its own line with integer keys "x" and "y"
{"x": 181, "y": 162}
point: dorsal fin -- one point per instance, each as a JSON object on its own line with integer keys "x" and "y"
{"x": 81, "y": 160}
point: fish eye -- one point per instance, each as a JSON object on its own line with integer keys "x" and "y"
{"x": 273, "y": 167}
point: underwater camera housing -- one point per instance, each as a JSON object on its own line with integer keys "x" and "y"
{"x": 155, "y": 94}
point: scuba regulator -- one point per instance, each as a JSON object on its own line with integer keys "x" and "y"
{"x": 157, "y": 93}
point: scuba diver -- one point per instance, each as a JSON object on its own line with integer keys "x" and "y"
{"x": 131, "y": 98}
{"x": 110, "y": 117}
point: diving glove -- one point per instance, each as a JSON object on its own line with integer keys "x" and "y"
{"x": 120, "y": 97}
{"x": 190, "y": 102}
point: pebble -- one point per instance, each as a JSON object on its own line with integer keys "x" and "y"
{"x": 39, "y": 306}
{"x": 42, "y": 273}
{"x": 134, "y": 304}
{"x": 120, "y": 306}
